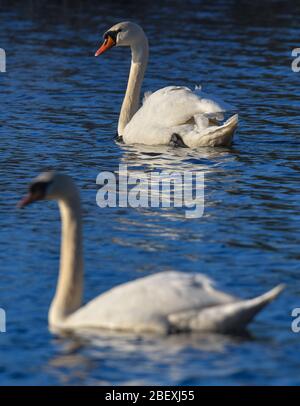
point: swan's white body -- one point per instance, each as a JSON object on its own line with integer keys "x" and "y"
{"x": 178, "y": 110}
{"x": 191, "y": 115}
{"x": 166, "y": 302}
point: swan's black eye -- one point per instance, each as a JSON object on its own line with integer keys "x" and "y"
{"x": 112, "y": 34}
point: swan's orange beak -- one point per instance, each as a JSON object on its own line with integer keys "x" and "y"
{"x": 26, "y": 200}
{"x": 30, "y": 198}
{"x": 107, "y": 44}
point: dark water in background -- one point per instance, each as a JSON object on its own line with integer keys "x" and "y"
{"x": 59, "y": 109}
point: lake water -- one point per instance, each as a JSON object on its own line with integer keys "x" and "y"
{"x": 59, "y": 109}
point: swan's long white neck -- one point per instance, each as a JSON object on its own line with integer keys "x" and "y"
{"x": 68, "y": 296}
{"x": 139, "y": 61}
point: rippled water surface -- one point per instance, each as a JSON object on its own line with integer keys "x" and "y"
{"x": 59, "y": 109}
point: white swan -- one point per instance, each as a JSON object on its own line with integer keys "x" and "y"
{"x": 173, "y": 115}
{"x": 166, "y": 302}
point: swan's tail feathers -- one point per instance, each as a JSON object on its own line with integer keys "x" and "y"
{"x": 222, "y": 135}
{"x": 210, "y": 133}
{"x": 225, "y": 318}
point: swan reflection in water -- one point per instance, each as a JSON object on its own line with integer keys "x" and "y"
{"x": 167, "y": 158}
{"x": 167, "y": 224}
{"x": 142, "y": 160}
{"x": 105, "y": 354}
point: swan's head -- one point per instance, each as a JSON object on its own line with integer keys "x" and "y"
{"x": 49, "y": 186}
{"x": 122, "y": 34}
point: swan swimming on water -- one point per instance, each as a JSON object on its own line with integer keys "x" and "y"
{"x": 173, "y": 115}
{"x": 166, "y": 302}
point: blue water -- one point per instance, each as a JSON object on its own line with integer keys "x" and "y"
{"x": 59, "y": 109}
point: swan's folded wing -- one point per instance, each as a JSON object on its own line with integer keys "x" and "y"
{"x": 167, "y": 107}
{"x": 213, "y": 104}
